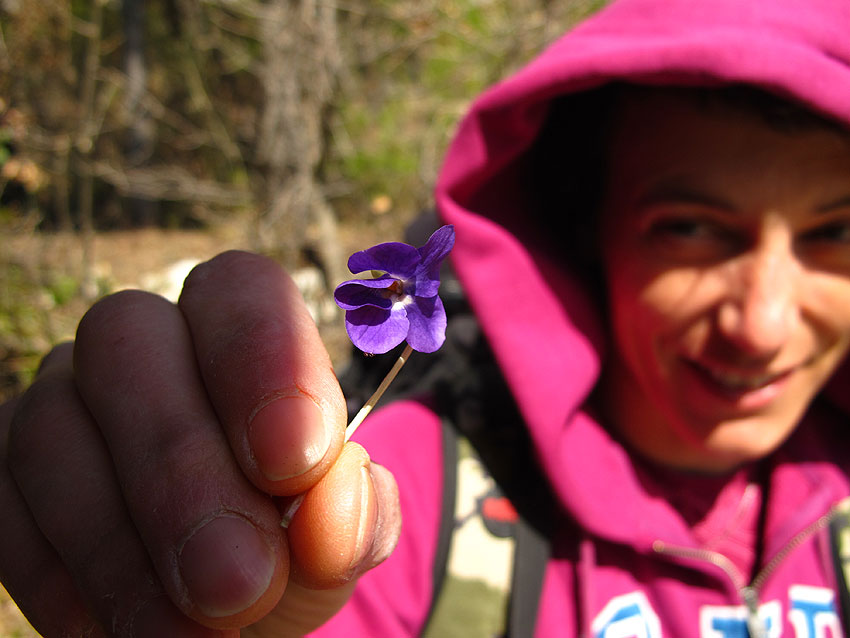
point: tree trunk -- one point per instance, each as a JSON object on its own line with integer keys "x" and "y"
{"x": 140, "y": 131}
{"x": 85, "y": 145}
{"x": 299, "y": 75}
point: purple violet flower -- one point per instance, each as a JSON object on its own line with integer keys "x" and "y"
{"x": 401, "y": 303}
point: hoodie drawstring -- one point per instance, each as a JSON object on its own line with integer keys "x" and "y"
{"x": 584, "y": 585}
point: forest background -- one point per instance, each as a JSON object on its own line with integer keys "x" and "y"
{"x": 138, "y": 137}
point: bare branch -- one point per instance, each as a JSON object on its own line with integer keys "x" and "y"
{"x": 171, "y": 183}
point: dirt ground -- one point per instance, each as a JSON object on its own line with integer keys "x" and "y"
{"x": 150, "y": 259}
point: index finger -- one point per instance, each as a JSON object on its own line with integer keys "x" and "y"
{"x": 266, "y": 370}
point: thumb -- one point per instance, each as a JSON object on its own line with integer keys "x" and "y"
{"x": 348, "y": 523}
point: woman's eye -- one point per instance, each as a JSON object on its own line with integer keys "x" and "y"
{"x": 838, "y": 232}
{"x": 693, "y": 238}
{"x": 681, "y": 228}
{"x": 695, "y": 229}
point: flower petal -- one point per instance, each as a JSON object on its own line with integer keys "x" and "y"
{"x": 392, "y": 257}
{"x": 361, "y": 292}
{"x": 439, "y": 244}
{"x": 427, "y": 318}
{"x": 426, "y": 280}
{"x": 377, "y": 330}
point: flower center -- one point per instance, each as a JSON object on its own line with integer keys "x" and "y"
{"x": 395, "y": 292}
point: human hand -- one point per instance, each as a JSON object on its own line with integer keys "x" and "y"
{"x": 143, "y": 475}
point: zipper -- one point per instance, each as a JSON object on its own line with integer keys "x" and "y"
{"x": 749, "y": 592}
{"x": 755, "y": 627}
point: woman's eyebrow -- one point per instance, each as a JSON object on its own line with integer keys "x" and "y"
{"x": 676, "y": 191}
{"x": 841, "y": 202}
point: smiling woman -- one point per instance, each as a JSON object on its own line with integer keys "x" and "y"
{"x": 727, "y": 259}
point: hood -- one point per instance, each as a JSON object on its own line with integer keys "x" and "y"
{"x": 539, "y": 317}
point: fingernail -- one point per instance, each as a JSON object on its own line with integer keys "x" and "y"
{"x": 226, "y": 566}
{"x": 288, "y": 437}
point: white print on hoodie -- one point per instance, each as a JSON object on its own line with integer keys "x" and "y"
{"x": 811, "y": 612}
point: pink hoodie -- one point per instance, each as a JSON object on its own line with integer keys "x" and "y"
{"x": 660, "y": 554}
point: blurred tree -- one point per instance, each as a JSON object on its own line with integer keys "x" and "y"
{"x": 87, "y": 132}
{"x": 300, "y": 64}
{"x": 140, "y": 130}
{"x": 290, "y": 116}
{"x": 291, "y": 113}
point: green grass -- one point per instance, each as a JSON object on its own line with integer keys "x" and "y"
{"x": 467, "y": 609}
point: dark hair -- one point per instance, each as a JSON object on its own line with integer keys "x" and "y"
{"x": 568, "y": 167}
{"x": 568, "y": 162}
{"x": 780, "y": 114}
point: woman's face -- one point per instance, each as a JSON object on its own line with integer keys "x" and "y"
{"x": 727, "y": 255}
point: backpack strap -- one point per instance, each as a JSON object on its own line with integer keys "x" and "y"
{"x": 472, "y": 395}
{"x": 839, "y": 536}
{"x": 447, "y": 515}
{"x": 498, "y": 597}
{"x": 530, "y": 558}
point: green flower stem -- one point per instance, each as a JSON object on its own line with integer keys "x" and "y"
{"x": 367, "y": 408}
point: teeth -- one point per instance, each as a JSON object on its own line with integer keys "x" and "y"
{"x": 740, "y": 381}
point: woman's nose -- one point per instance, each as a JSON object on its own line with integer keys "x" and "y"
{"x": 762, "y": 309}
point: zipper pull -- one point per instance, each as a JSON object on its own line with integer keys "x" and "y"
{"x": 755, "y": 627}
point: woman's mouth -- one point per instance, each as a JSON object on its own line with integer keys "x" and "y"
{"x": 746, "y": 390}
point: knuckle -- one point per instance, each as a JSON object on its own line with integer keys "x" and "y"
{"x": 48, "y": 407}
{"x": 208, "y": 274}
{"x": 37, "y": 408}
{"x": 234, "y": 271}
{"x": 176, "y": 446}
{"x": 252, "y": 335}
{"x": 118, "y": 330}
{"x": 116, "y": 316}
{"x": 29, "y": 413}
{"x": 267, "y": 349}
{"x": 7, "y": 412}
{"x": 59, "y": 355}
